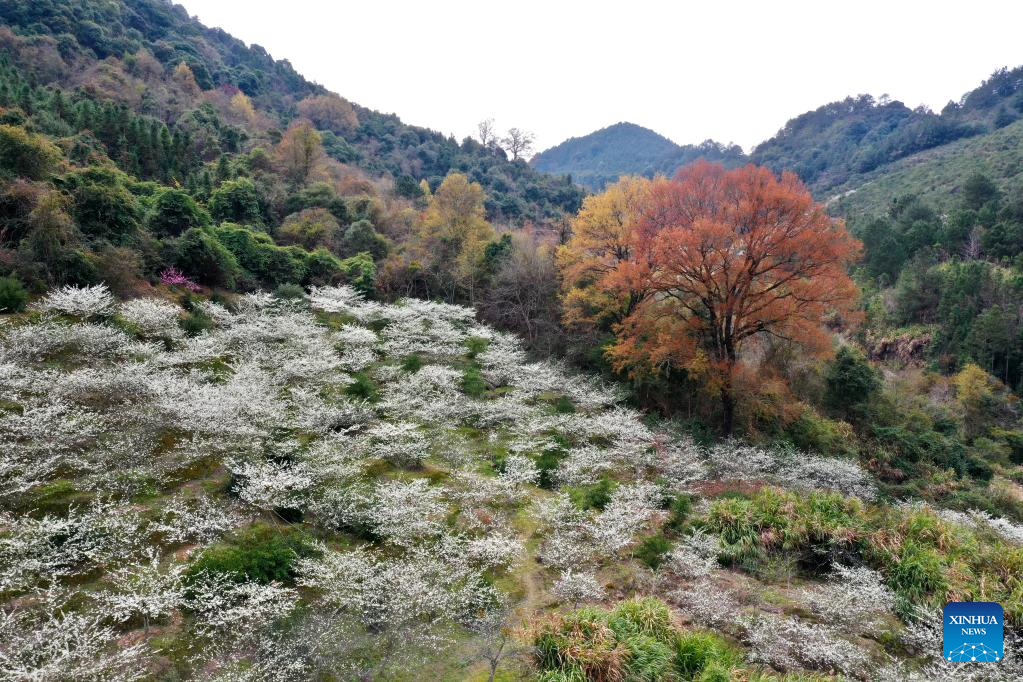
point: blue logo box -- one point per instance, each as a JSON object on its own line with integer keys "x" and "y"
{"x": 972, "y": 632}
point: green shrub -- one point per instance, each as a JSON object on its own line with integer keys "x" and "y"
{"x": 289, "y": 292}
{"x": 13, "y": 296}
{"x": 237, "y": 201}
{"x": 175, "y": 211}
{"x": 636, "y": 641}
{"x": 26, "y": 154}
{"x": 700, "y": 431}
{"x": 816, "y": 528}
{"x": 564, "y": 405}
{"x": 979, "y": 469}
{"x": 363, "y": 387}
{"x": 652, "y": 550}
{"x": 649, "y": 660}
{"x": 195, "y": 323}
{"x": 547, "y": 464}
{"x": 102, "y": 203}
{"x": 572, "y": 675}
{"x": 917, "y": 573}
{"x": 476, "y": 345}
{"x": 645, "y": 616}
{"x": 360, "y": 237}
{"x": 850, "y": 381}
{"x": 255, "y": 251}
{"x": 595, "y": 496}
{"x": 360, "y": 271}
{"x": 203, "y": 257}
{"x": 473, "y": 383}
{"x": 811, "y": 432}
{"x": 412, "y": 363}
{"x": 579, "y": 645}
{"x": 698, "y": 653}
{"x": 323, "y": 267}
{"x": 260, "y": 553}
{"x": 680, "y": 508}
{"x": 715, "y": 672}
{"x": 1014, "y": 439}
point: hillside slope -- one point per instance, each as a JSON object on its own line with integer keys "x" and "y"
{"x": 327, "y": 486}
{"x": 937, "y": 176}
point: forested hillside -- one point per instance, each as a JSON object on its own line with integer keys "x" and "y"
{"x": 292, "y": 390}
{"x": 127, "y": 124}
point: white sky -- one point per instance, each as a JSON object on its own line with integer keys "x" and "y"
{"x": 731, "y": 70}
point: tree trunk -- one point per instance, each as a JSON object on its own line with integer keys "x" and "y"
{"x": 727, "y": 407}
{"x": 727, "y": 392}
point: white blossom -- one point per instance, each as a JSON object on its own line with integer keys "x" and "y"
{"x": 787, "y": 643}
{"x": 406, "y": 513}
{"x": 338, "y": 299}
{"x": 976, "y": 518}
{"x": 733, "y": 460}
{"x": 53, "y": 643}
{"x": 401, "y": 443}
{"x": 271, "y": 485}
{"x": 577, "y": 587}
{"x": 78, "y": 301}
{"x": 694, "y": 556}
{"x": 144, "y": 590}
{"x": 152, "y": 317}
{"x": 855, "y": 597}
{"x": 224, "y": 607}
{"x": 49, "y": 548}
{"x": 398, "y": 606}
{"x": 198, "y": 519}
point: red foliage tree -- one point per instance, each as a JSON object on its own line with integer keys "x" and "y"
{"x": 721, "y": 257}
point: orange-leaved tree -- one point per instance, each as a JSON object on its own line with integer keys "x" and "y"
{"x": 602, "y": 243}
{"x": 713, "y": 258}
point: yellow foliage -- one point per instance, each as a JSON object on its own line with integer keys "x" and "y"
{"x": 299, "y": 152}
{"x": 185, "y": 79}
{"x": 241, "y": 106}
{"x": 455, "y": 226}
{"x": 599, "y": 242}
{"x": 973, "y": 386}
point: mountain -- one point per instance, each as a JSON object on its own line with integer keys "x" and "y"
{"x": 838, "y": 145}
{"x": 624, "y": 149}
{"x": 619, "y": 149}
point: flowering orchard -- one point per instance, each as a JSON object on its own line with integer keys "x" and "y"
{"x": 333, "y": 486}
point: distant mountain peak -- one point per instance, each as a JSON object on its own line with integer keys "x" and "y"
{"x": 626, "y": 148}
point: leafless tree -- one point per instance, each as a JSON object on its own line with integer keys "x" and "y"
{"x": 971, "y": 249}
{"x": 487, "y": 135}
{"x": 524, "y": 294}
{"x": 519, "y": 142}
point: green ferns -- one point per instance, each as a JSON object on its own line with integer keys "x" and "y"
{"x": 924, "y": 559}
{"x": 637, "y": 641}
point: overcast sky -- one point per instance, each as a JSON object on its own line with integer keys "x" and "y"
{"x": 724, "y": 69}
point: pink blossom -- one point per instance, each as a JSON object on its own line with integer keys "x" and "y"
{"x": 175, "y": 278}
